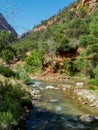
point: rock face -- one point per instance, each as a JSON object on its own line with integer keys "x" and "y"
{"x": 4, "y": 25}
{"x": 90, "y": 3}
{"x": 24, "y": 34}
{"x": 87, "y": 118}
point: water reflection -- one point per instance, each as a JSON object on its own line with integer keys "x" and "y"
{"x": 45, "y": 120}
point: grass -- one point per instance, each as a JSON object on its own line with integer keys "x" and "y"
{"x": 6, "y": 71}
{"x": 91, "y": 88}
{"x": 94, "y": 82}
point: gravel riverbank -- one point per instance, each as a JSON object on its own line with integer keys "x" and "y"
{"x": 77, "y": 90}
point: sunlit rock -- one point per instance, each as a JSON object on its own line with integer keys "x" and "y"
{"x": 51, "y": 87}
{"x": 79, "y": 84}
{"x": 87, "y": 118}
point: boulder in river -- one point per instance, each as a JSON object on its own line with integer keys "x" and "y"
{"x": 87, "y": 118}
{"x": 51, "y": 87}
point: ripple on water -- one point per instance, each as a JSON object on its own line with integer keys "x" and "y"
{"x": 55, "y": 111}
{"x": 54, "y": 100}
{"x": 58, "y": 108}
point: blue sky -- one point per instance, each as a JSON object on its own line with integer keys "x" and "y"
{"x": 24, "y": 14}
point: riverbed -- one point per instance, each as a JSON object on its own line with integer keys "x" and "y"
{"x": 55, "y": 110}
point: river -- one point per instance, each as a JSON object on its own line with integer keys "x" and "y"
{"x": 56, "y": 110}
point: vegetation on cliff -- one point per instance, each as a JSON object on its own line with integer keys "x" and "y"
{"x": 73, "y": 35}
{"x": 68, "y": 46}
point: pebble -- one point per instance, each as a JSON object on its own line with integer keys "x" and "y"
{"x": 85, "y": 94}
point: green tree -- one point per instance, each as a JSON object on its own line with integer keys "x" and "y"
{"x": 88, "y": 60}
{"x": 6, "y": 37}
{"x": 70, "y": 67}
{"x": 85, "y": 40}
{"x": 34, "y": 60}
{"x": 76, "y": 27}
{"x": 7, "y": 55}
{"x": 94, "y": 26}
{"x": 63, "y": 44}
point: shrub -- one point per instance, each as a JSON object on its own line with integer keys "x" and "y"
{"x": 22, "y": 74}
{"x": 6, "y": 71}
{"x": 56, "y": 67}
{"x": 94, "y": 82}
{"x": 34, "y": 60}
{"x": 85, "y": 40}
{"x": 7, "y": 55}
{"x": 5, "y": 119}
{"x": 93, "y": 26}
{"x": 63, "y": 45}
{"x": 20, "y": 54}
{"x": 11, "y": 107}
{"x": 91, "y": 88}
{"x": 70, "y": 67}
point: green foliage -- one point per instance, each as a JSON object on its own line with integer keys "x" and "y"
{"x": 22, "y": 74}
{"x": 5, "y": 119}
{"x": 93, "y": 26}
{"x": 91, "y": 88}
{"x": 92, "y": 52}
{"x": 11, "y": 104}
{"x": 85, "y": 40}
{"x": 63, "y": 45}
{"x": 20, "y": 54}
{"x": 80, "y": 63}
{"x": 71, "y": 15}
{"x": 76, "y": 27}
{"x": 34, "y": 60}
{"x": 88, "y": 60}
{"x": 56, "y": 67}
{"x": 94, "y": 82}
{"x": 71, "y": 29}
{"x": 84, "y": 66}
{"x": 6, "y": 71}
{"x": 83, "y": 11}
{"x": 7, "y": 55}
{"x": 70, "y": 67}
{"x": 6, "y": 37}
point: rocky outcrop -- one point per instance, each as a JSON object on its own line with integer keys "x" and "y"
{"x": 83, "y": 3}
{"x": 43, "y": 27}
{"x": 4, "y": 25}
{"x": 89, "y": 3}
{"x": 25, "y": 34}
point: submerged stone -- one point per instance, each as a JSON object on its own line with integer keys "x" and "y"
{"x": 87, "y": 118}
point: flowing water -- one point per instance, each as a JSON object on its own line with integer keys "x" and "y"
{"x": 55, "y": 110}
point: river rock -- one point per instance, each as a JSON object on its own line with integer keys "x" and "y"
{"x": 87, "y": 118}
{"x": 51, "y": 87}
{"x": 66, "y": 87}
{"x": 79, "y": 84}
